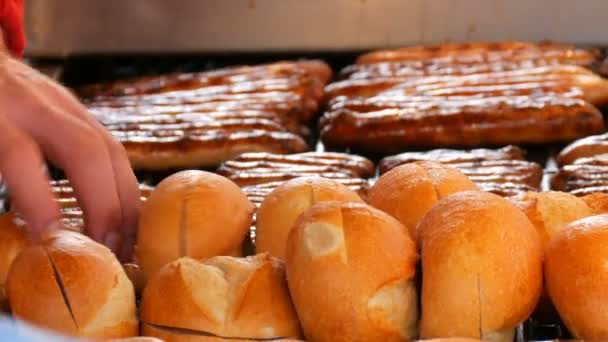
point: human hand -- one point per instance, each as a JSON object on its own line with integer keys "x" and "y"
{"x": 38, "y": 119}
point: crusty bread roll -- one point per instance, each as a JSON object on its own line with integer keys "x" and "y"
{"x": 481, "y": 267}
{"x": 73, "y": 285}
{"x": 551, "y": 211}
{"x": 409, "y": 191}
{"x": 283, "y": 206}
{"x": 12, "y": 240}
{"x": 577, "y": 278}
{"x": 221, "y": 298}
{"x": 350, "y": 270}
{"x": 192, "y": 213}
{"x": 597, "y": 202}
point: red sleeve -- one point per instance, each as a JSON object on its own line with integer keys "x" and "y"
{"x": 11, "y": 22}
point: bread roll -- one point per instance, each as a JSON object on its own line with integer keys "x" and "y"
{"x": 73, "y": 285}
{"x": 283, "y": 206}
{"x": 350, "y": 270}
{"x": 12, "y": 240}
{"x": 409, "y": 191}
{"x": 551, "y": 211}
{"x": 221, "y": 298}
{"x": 192, "y": 213}
{"x": 481, "y": 267}
{"x": 577, "y": 278}
{"x": 597, "y": 202}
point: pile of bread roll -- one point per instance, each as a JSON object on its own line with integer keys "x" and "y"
{"x": 428, "y": 257}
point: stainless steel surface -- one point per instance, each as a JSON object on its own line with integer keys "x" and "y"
{"x": 64, "y": 27}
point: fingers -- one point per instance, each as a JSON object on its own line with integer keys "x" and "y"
{"x": 126, "y": 182}
{"x": 23, "y": 169}
{"x": 93, "y": 160}
{"x": 128, "y": 193}
{"x": 81, "y": 152}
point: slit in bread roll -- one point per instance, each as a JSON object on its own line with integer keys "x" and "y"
{"x": 597, "y": 202}
{"x": 73, "y": 285}
{"x": 350, "y": 270}
{"x": 192, "y": 213}
{"x": 181, "y": 335}
{"x": 325, "y": 239}
{"x": 576, "y": 275}
{"x": 551, "y": 211}
{"x": 481, "y": 267}
{"x": 409, "y": 191}
{"x": 220, "y": 298}
{"x": 281, "y": 208}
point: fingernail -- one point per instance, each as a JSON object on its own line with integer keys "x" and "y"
{"x": 112, "y": 241}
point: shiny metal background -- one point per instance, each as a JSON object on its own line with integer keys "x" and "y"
{"x": 65, "y": 27}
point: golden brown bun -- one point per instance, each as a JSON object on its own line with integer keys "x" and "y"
{"x": 597, "y": 202}
{"x": 12, "y": 240}
{"x": 551, "y": 211}
{"x": 223, "y": 296}
{"x": 481, "y": 267}
{"x": 409, "y": 191}
{"x": 73, "y": 285}
{"x": 575, "y": 272}
{"x": 350, "y": 269}
{"x": 173, "y": 335}
{"x": 281, "y": 208}
{"x": 192, "y": 213}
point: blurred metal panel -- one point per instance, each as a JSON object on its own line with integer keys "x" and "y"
{"x": 63, "y": 27}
